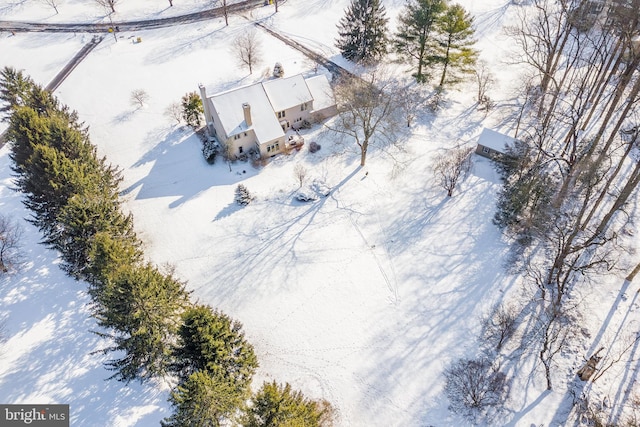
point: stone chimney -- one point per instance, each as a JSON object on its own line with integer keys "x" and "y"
{"x": 246, "y": 108}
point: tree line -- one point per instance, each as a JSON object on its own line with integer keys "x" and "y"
{"x": 431, "y": 34}
{"x": 570, "y": 185}
{"x": 143, "y": 312}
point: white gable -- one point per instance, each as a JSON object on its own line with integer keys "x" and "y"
{"x": 228, "y": 106}
{"x": 320, "y": 91}
{"x": 287, "y": 92}
{"x": 494, "y": 140}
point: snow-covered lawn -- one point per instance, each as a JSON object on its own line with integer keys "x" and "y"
{"x": 361, "y": 298}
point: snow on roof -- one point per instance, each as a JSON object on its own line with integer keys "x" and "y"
{"x": 228, "y": 105}
{"x": 320, "y": 91}
{"x": 495, "y": 140}
{"x": 287, "y": 92}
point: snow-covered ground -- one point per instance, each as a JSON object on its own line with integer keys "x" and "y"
{"x": 361, "y": 298}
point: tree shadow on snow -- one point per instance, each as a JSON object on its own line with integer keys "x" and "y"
{"x": 179, "y": 169}
{"x": 47, "y": 357}
{"x": 447, "y": 256}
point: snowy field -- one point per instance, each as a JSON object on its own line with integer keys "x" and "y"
{"x": 361, "y": 298}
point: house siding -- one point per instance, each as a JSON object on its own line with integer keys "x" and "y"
{"x": 487, "y": 152}
{"x": 268, "y": 127}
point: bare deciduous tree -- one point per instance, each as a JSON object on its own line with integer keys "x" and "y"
{"x": 557, "y": 329}
{"x": 139, "y": 97}
{"x": 174, "y": 112}
{"x": 452, "y": 166}
{"x": 53, "y": 3}
{"x": 300, "y": 172}
{"x": 618, "y": 351}
{"x": 474, "y": 387}
{"x": 248, "y": 49}
{"x": 109, "y": 5}
{"x": 225, "y": 12}
{"x": 484, "y": 80}
{"x": 499, "y": 325}
{"x": 368, "y": 111}
{"x": 411, "y": 101}
{"x": 10, "y": 244}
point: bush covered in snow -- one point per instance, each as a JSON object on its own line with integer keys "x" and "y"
{"x": 210, "y": 150}
{"x": 306, "y": 195}
{"x": 314, "y": 146}
{"x": 243, "y": 196}
{"x": 278, "y": 70}
{"x": 320, "y": 188}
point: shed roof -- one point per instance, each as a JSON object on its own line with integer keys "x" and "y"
{"x": 287, "y": 92}
{"x": 494, "y": 140}
{"x": 228, "y": 105}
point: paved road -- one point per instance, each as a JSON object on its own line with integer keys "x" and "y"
{"x": 334, "y": 68}
{"x": 19, "y": 26}
{"x": 73, "y": 63}
{"x": 16, "y": 26}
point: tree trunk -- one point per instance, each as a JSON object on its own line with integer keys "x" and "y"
{"x": 363, "y": 152}
{"x": 423, "y": 42}
{"x": 446, "y": 62}
{"x": 633, "y": 273}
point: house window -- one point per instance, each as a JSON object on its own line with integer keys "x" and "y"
{"x": 304, "y": 106}
{"x": 485, "y": 150}
{"x": 236, "y": 136}
{"x": 280, "y": 114}
{"x": 245, "y": 134}
{"x": 240, "y": 149}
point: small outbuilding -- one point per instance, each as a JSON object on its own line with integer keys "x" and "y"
{"x": 492, "y": 143}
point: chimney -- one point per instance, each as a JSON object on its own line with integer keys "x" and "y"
{"x": 246, "y": 108}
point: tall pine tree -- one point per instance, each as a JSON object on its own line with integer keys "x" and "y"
{"x": 202, "y": 400}
{"x": 276, "y": 405}
{"x": 140, "y": 307}
{"x": 453, "y": 50}
{"x": 363, "y": 31}
{"x": 211, "y": 341}
{"x": 416, "y": 27}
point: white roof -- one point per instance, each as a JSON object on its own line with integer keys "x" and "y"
{"x": 495, "y": 140}
{"x": 320, "y": 91}
{"x": 228, "y": 105}
{"x": 287, "y": 92}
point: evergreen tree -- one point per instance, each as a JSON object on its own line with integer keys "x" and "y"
{"x": 26, "y": 130}
{"x": 192, "y": 109}
{"x": 416, "y": 28}
{"x": 211, "y": 341}
{"x": 278, "y": 406}
{"x": 202, "y": 400}
{"x": 15, "y": 87}
{"x": 243, "y": 196}
{"x": 79, "y": 221}
{"x": 454, "y": 51}
{"x": 140, "y": 307}
{"x": 108, "y": 253}
{"x": 363, "y": 31}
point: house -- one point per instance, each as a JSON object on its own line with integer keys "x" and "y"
{"x": 257, "y": 117}
{"x": 589, "y": 13}
{"x": 492, "y": 143}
